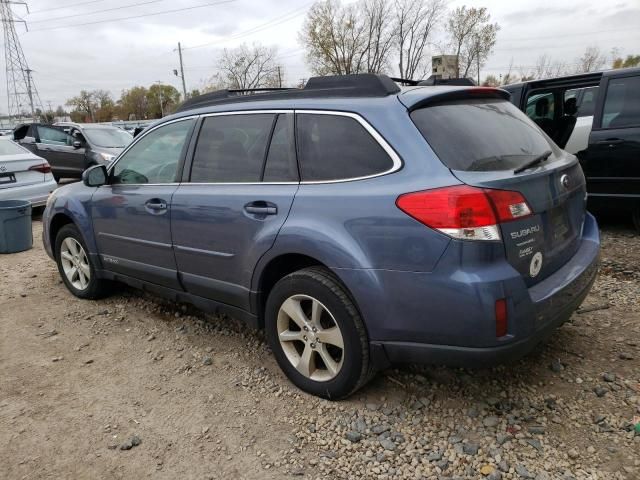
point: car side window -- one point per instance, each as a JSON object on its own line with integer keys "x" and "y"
{"x": 231, "y": 148}
{"x": 588, "y": 103}
{"x": 337, "y": 147}
{"x": 53, "y": 136}
{"x": 622, "y": 103}
{"x": 155, "y": 157}
{"x": 281, "y": 163}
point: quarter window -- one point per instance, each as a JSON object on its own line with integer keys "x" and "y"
{"x": 155, "y": 157}
{"x": 231, "y": 148}
{"x": 336, "y": 147}
{"x": 622, "y": 103}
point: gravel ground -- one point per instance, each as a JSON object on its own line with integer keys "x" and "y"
{"x": 135, "y": 387}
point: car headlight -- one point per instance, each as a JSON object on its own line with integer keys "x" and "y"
{"x": 107, "y": 157}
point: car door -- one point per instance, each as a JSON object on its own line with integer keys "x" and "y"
{"x": 57, "y": 146}
{"x": 241, "y": 184}
{"x": 612, "y": 160}
{"x": 131, "y": 215}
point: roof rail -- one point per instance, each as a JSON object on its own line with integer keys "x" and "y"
{"x": 356, "y": 85}
{"x": 406, "y": 81}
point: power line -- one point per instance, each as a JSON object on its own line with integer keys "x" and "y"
{"x": 65, "y": 6}
{"x": 122, "y": 7}
{"x": 164, "y": 12}
{"x": 258, "y": 28}
{"x": 567, "y": 34}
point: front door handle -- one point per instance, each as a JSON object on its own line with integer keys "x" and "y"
{"x": 156, "y": 204}
{"x": 261, "y": 208}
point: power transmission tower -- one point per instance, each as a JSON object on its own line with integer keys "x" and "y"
{"x": 22, "y": 95}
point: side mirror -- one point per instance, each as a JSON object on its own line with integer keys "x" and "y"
{"x": 95, "y": 176}
{"x": 77, "y": 144}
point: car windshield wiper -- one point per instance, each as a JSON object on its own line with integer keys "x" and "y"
{"x": 539, "y": 159}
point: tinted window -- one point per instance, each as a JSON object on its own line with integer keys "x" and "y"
{"x": 281, "y": 163}
{"x": 53, "y": 136}
{"x": 231, "y": 148}
{"x": 336, "y": 147}
{"x": 588, "y": 102}
{"x": 540, "y": 106}
{"x": 480, "y": 134}
{"x": 155, "y": 157}
{"x": 622, "y": 103}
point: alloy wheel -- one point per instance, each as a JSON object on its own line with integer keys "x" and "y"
{"x": 75, "y": 263}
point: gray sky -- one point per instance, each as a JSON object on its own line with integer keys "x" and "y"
{"x": 67, "y": 56}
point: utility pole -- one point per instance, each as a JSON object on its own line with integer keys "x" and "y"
{"x": 279, "y": 77}
{"x": 184, "y": 86}
{"x": 160, "y": 98}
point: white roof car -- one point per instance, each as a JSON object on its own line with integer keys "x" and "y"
{"x": 23, "y": 175}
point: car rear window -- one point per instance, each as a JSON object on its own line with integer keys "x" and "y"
{"x": 7, "y": 147}
{"x": 480, "y": 134}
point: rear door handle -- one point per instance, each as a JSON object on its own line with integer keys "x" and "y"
{"x": 261, "y": 208}
{"x": 611, "y": 141}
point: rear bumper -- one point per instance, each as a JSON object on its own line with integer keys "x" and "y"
{"x": 36, "y": 193}
{"x": 448, "y": 316}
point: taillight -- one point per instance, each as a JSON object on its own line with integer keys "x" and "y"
{"x": 465, "y": 212}
{"x": 41, "y": 167}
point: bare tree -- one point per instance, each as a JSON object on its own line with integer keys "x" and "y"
{"x": 379, "y": 34}
{"x": 85, "y": 102}
{"x": 335, "y": 39}
{"x": 472, "y": 36}
{"x": 248, "y": 67}
{"x": 591, "y": 60}
{"x": 415, "y": 21}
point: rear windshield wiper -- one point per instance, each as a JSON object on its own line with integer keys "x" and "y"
{"x": 539, "y": 159}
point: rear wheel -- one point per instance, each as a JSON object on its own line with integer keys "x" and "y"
{"x": 636, "y": 218}
{"x": 317, "y": 334}
{"x": 75, "y": 266}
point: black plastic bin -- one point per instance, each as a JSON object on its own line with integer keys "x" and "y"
{"x": 15, "y": 226}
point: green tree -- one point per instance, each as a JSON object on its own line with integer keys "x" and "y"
{"x": 133, "y": 104}
{"x": 630, "y": 61}
{"x": 105, "y": 106}
{"x": 161, "y": 100}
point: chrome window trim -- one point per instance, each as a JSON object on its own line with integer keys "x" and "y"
{"x": 140, "y": 137}
{"x": 395, "y": 158}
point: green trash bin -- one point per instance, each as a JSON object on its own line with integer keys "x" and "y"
{"x": 15, "y": 226}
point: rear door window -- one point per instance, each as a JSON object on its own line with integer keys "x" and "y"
{"x": 54, "y": 136}
{"x": 232, "y": 148}
{"x": 480, "y": 134}
{"x": 337, "y": 147}
{"x": 281, "y": 163}
{"x": 588, "y": 102}
{"x": 622, "y": 103}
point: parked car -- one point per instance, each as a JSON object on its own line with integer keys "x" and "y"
{"x": 596, "y": 116}
{"x": 359, "y": 224}
{"x": 70, "y": 148}
{"x": 23, "y": 175}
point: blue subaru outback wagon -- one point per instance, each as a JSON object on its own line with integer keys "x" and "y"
{"x": 359, "y": 224}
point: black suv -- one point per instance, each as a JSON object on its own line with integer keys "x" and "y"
{"x": 610, "y": 153}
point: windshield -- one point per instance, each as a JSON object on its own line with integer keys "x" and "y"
{"x": 7, "y": 147}
{"x": 107, "y": 137}
{"x": 481, "y": 134}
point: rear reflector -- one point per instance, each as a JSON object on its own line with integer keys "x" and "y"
{"x": 42, "y": 168}
{"x": 501, "y": 318}
{"x": 465, "y": 212}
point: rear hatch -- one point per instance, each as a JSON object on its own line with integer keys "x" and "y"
{"x": 19, "y": 167}
{"x": 487, "y": 142}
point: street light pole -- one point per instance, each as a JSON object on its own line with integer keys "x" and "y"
{"x": 159, "y": 83}
{"x": 184, "y": 86}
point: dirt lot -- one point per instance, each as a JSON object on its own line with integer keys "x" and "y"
{"x": 82, "y": 381}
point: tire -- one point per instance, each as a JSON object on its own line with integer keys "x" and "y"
{"x": 84, "y": 283}
{"x": 635, "y": 215}
{"x": 324, "y": 369}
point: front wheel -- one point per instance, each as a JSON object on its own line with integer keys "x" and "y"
{"x": 74, "y": 264}
{"x": 317, "y": 334}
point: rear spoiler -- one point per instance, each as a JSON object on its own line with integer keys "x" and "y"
{"x": 462, "y": 94}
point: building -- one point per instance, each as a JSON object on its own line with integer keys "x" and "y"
{"x": 444, "y": 66}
